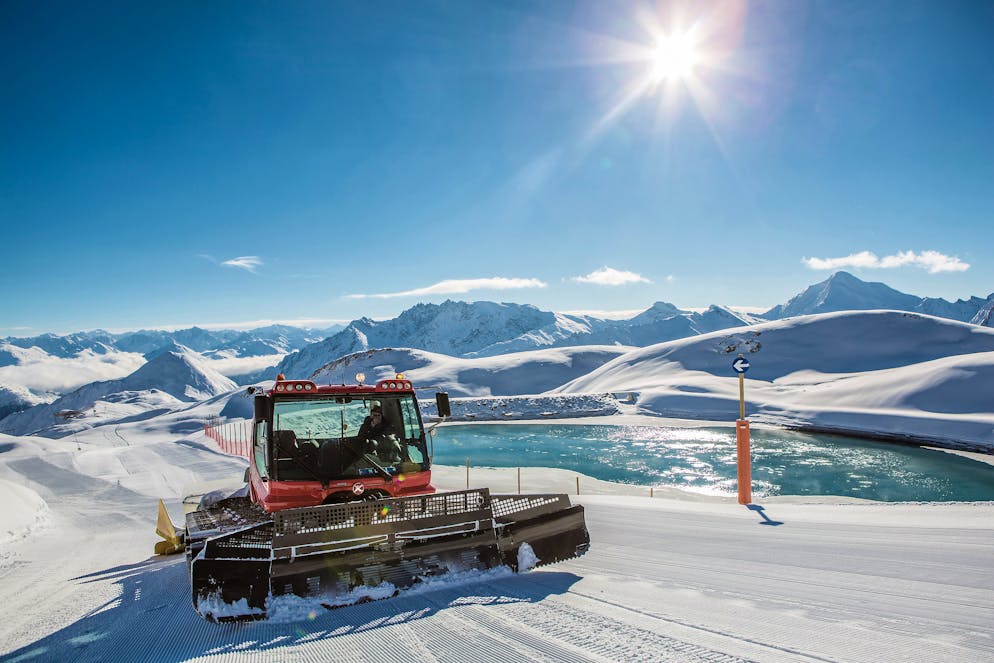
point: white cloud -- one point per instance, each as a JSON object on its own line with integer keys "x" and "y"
{"x": 611, "y": 276}
{"x": 248, "y": 263}
{"x": 39, "y": 371}
{"x": 932, "y": 261}
{"x": 458, "y": 287}
{"x": 233, "y": 367}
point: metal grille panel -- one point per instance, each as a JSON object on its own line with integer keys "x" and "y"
{"x": 252, "y": 543}
{"x": 506, "y": 505}
{"x": 310, "y": 520}
{"x": 226, "y": 514}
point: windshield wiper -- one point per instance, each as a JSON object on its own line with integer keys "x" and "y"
{"x": 379, "y": 468}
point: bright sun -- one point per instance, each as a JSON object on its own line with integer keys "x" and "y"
{"x": 674, "y": 58}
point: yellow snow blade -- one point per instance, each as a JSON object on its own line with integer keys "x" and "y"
{"x": 165, "y": 528}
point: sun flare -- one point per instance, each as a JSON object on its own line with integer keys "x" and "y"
{"x": 682, "y": 57}
{"x": 674, "y": 58}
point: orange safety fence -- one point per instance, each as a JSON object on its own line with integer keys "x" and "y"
{"x": 234, "y": 437}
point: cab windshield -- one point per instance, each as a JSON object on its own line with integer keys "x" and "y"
{"x": 347, "y": 436}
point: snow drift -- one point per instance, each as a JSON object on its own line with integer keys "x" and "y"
{"x": 517, "y": 373}
{"x": 873, "y": 372}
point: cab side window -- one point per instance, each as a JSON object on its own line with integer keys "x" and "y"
{"x": 412, "y": 427}
{"x": 261, "y": 448}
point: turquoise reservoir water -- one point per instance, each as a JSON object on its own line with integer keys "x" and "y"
{"x": 703, "y": 460}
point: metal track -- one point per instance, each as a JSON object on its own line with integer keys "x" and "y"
{"x": 327, "y": 551}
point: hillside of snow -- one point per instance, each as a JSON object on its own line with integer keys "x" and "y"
{"x": 516, "y": 373}
{"x": 15, "y": 398}
{"x": 675, "y": 577}
{"x": 24, "y": 513}
{"x": 162, "y": 384}
{"x": 885, "y": 372}
{"x": 985, "y": 316}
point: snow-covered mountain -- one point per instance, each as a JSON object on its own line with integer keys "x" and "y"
{"x": 985, "y": 316}
{"x": 15, "y": 398}
{"x": 165, "y": 382}
{"x": 51, "y": 363}
{"x": 486, "y": 329}
{"x": 844, "y": 292}
{"x": 273, "y": 339}
{"x": 531, "y": 372}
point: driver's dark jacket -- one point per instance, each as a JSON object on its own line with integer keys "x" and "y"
{"x": 369, "y": 432}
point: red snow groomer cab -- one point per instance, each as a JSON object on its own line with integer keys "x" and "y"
{"x": 318, "y": 445}
{"x": 339, "y": 497}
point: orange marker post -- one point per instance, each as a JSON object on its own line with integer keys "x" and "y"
{"x": 745, "y": 461}
{"x": 741, "y": 365}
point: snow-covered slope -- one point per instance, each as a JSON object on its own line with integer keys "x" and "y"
{"x": 964, "y": 310}
{"x": 874, "y": 371}
{"x": 676, "y": 577}
{"x": 15, "y": 398}
{"x": 985, "y": 316}
{"x": 844, "y": 342}
{"x": 163, "y": 383}
{"x": 517, "y": 373}
{"x": 24, "y": 513}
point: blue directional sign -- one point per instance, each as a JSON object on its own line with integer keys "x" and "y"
{"x": 740, "y": 365}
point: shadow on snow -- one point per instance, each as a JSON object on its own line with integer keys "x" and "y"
{"x": 152, "y": 619}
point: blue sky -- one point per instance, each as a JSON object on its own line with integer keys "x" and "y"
{"x": 475, "y": 151}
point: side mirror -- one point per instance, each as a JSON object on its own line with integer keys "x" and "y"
{"x": 442, "y": 404}
{"x": 261, "y": 409}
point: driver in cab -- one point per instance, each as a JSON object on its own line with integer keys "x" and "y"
{"x": 379, "y": 436}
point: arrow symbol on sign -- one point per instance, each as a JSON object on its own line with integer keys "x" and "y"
{"x": 740, "y": 365}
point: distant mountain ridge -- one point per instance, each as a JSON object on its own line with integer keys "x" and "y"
{"x": 486, "y": 329}
{"x": 844, "y": 292}
{"x": 272, "y": 339}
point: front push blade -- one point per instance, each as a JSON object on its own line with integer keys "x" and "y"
{"x": 172, "y": 542}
